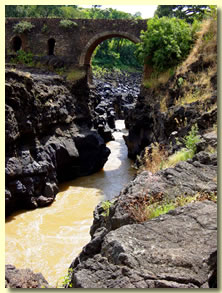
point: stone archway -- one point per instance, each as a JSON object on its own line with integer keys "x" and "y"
{"x": 87, "y": 52}
{"x": 85, "y": 57}
{"x": 16, "y": 43}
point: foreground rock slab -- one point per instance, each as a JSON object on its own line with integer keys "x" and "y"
{"x": 23, "y": 278}
{"x": 175, "y": 250}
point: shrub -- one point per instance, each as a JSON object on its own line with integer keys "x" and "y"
{"x": 192, "y": 139}
{"x": 184, "y": 154}
{"x": 67, "y": 24}
{"x": 23, "y": 57}
{"x": 167, "y": 41}
{"x": 22, "y": 27}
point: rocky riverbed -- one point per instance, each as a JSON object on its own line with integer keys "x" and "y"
{"x": 111, "y": 97}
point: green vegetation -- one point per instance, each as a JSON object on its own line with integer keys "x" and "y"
{"x": 22, "y": 27}
{"x": 158, "y": 78}
{"x": 74, "y": 74}
{"x": 67, "y": 24}
{"x": 106, "y": 207}
{"x": 44, "y": 28}
{"x": 143, "y": 211}
{"x": 65, "y": 280}
{"x": 116, "y": 53}
{"x": 157, "y": 158}
{"x": 113, "y": 53}
{"x": 184, "y": 154}
{"x": 192, "y": 139}
{"x": 165, "y": 206}
{"x": 167, "y": 41}
{"x": 190, "y": 13}
{"x": 23, "y": 57}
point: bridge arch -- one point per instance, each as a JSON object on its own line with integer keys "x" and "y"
{"x": 87, "y": 52}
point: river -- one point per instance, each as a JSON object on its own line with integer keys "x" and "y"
{"x": 47, "y": 239}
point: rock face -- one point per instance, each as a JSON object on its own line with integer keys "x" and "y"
{"x": 175, "y": 250}
{"x": 48, "y": 137}
{"x": 23, "y": 278}
{"x": 147, "y": 124}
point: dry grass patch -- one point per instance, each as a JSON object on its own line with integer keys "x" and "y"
{"x": 75, "y": 74}
{"x": 157, "y": 79}
{"x": 142, "y": 210}
{"x": 153, "y": 158}
{"x": 205, "y": 45}
{"x": 199, "y": 87}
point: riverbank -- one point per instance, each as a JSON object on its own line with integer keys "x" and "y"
{"x": 46, "y": 240}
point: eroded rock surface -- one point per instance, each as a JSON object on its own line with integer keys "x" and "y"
{"x": 23, "y": 278}
{"x": 48, "y": 137}
{"x": 175, "y": 250}
{"x": 185, "y": 179}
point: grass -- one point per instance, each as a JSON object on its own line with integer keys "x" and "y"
{"x": 71, "y": 74}
{"x": 182, "y": 155}
{"x": 158, "y": 79}
{"x": 203, "y": 46}
{"x": 143, "y": 211}
{"x": 197, "y": 87}
{"x": 156, "y": 158}
{"x": 75, "y": 74}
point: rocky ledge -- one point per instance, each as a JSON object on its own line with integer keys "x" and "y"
{"x": 175, "y": 250}
{"x": 48, "y": 136}
{"x": 23, "y": 278}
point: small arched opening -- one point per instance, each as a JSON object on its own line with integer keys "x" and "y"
{"x": 51, "y": 46}
{"x": 16, "y": 43}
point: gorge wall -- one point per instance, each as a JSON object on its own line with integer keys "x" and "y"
{"x": 48, "y": 136}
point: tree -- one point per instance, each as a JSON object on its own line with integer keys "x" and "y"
{"x": 165, "y": 43}
{"x": 186, "y": 12}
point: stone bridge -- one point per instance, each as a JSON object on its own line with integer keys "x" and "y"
{"x": 76, "y": 44}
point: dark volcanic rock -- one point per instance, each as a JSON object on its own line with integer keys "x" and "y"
{"x": 111, "y": 97}
{"x": 23, "y": 278}
{"x": 147, "y": 124}
{"x": 48, "y": 137}
{"x": 175, "y": 250}
{"x": 185, "y": 179}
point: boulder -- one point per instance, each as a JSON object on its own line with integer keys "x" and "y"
{"x": 23, "y": 278}
{"x": 175, "y": 250}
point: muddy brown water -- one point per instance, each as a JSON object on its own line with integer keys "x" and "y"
{"x": 48, "y": 239}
